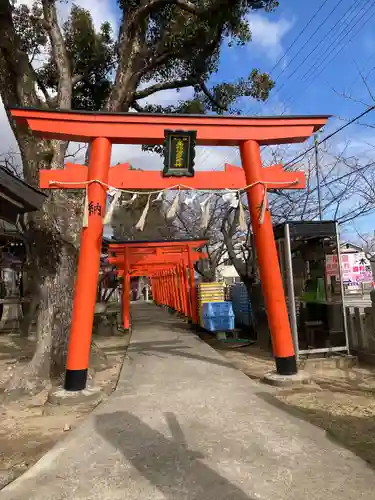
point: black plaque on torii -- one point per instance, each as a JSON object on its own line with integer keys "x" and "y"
{"x": 179, "y": 153}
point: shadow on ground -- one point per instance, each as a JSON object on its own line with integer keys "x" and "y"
{"x": 161, "y": 348}
{"x": 352, "y": 432}
{"x": 167, "y": 463}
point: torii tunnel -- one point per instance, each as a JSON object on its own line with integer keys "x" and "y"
{"x": 169, "y": 265}
{"x": 102, "y": 130}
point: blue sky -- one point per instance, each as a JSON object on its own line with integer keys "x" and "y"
{"x": 316, "y": 51}
{"x": 298, "y": 87}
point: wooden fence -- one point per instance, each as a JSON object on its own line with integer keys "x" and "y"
{"x": 361, "y": 331}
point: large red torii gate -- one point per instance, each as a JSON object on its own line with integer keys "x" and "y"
{"x": 102, "y": 130}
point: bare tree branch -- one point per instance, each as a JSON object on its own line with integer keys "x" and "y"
{"x": 80, "y": 148}
{"x": 76, "y": 79}
{"x": 158, "y": 87}
{"x": 211, "y": 97}
{"x": 365, "y": 83}
{"x": 60, "y": 55}
{"x": 137, "y": 107}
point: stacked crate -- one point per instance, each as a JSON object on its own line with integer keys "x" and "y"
{"x": 241, "y": 305}
{"x": 209, "y": 292}
{"x": 227, "y": 290}
{"x": 218, "y": 316}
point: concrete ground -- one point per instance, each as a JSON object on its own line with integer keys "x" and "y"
{"x": 184, "y": 424}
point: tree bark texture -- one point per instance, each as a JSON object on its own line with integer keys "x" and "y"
{"x": 53, "y": 321}
{"x": 52, "y": 234}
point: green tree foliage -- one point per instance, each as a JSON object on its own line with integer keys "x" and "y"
{"x": 178, "y": 46}
{"x": 92, "y": 57}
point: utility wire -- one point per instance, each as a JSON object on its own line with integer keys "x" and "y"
{"x": 340, "y": 49}
{"x": 350, "y": 10}
{"x": 322, "y": 67}
{"x": 340, "y": 36}
{"x": 299, "y": 35}
{"x": 312, "y": 36}
{"x": 290, "y": 101}
{"x": 329, "y": 136}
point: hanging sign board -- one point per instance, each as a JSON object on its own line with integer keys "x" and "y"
{"x": 179, "y": 153}
{"x": 356, "y": 268}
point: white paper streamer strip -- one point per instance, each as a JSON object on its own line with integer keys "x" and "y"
{"x": 171, "y": 214}
{"x": 115, "y": 201}
{"x": 141, "y": 223}
{"x": 85, "y": 218}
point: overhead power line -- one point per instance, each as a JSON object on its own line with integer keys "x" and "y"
{"x": 329, "y": 136}
{"x": 340, "y": 49}
{"x": 352, "y": 14}
{"x": 349, "y": 11}
{"x": 340, "y": 36}
{"x": 352, "y": 8}
{"x": 337, "y": 50}
{"x": 311, "y": 36}
{"x": 299, "y": 35}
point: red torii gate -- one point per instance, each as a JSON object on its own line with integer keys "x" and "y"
{"x": 173, "y": 266}
{"x": 145, "y": 258}
{"x": 104, "y": 129}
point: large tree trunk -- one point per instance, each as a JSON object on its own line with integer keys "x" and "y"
{"x": 53, "y": 322}
{"x": 53, "y": 239}
{"x": 30, "y": 292}
{"x": 29, "y": 310}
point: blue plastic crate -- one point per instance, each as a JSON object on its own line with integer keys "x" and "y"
{"x": 219, "y": 323}
{"x": 217, "y": 309}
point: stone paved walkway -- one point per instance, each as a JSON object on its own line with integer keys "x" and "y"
{"x": 185, "y": 425}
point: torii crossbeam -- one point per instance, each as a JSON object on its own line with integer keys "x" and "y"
{"x": 122, "y": 176}
{"x": 102, "y": 130}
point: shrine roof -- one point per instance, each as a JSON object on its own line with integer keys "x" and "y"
{"x": 17, "y": 197}
{"x": 148, "y": 128}
{"x": 307, "y": 229}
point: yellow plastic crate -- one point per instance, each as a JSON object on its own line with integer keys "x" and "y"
{"x": 209, "y": 292}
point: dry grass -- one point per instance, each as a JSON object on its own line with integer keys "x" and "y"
{"x": 30, "y": 426}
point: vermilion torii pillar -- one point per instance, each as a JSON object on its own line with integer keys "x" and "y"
{"x": 104, "y": 129}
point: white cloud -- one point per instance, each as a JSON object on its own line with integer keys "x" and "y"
{"x": 268, "y": 35}
{"x": 207, "y": 158}
{"x": 29, "y": 3}
{"x": 102, "y": 10}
